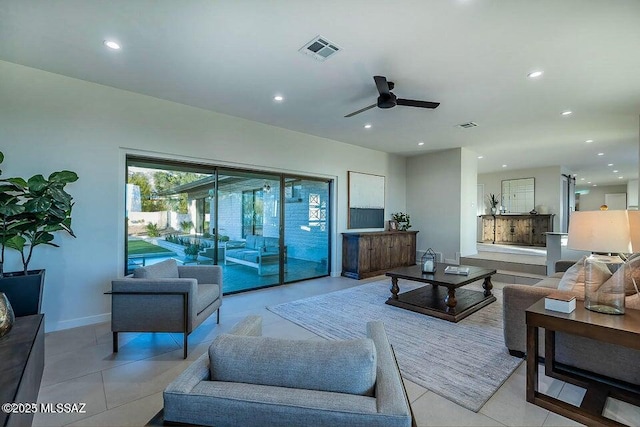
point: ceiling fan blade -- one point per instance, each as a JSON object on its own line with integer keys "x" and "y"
{"x": 413, "y": 103}
{"x": 382, "y": 85}
{"x": 361, "y": 110}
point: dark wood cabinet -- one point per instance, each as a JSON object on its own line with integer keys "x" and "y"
{"x": 370, "y": 254}
{"x": 22, "y": 356}
{"x": 516, "y": 229}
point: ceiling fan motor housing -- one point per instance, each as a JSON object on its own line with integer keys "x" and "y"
{"x": 387, "y": 101}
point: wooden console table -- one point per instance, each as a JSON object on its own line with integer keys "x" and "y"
{"x": 512, "y": 229}
{"x": 622, "y": 330}
{"x": 369, "y": 254}
{"x": 21, "y": 367}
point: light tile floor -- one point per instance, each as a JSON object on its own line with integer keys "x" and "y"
{"x": 125, "y": 389}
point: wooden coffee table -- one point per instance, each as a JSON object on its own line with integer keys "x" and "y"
{"x": 443, "y": 296}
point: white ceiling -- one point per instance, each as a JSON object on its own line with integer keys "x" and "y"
{"x": 473, "y": 56}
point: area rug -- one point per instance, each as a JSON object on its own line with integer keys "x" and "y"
{"x": 465, "y": 362}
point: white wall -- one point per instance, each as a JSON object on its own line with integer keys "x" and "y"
{"x": 441, "y": 201}
{"x": 592, "y": 200}
{"x": 468, "y": 202}
{"x": 632, "y": 193}
{"x": 548, "y": 186}
{"x": 50, "y": 122}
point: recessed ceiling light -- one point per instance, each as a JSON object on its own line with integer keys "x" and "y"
{"x": 567, "y": 113}
{"x": 367, "y": 126}
{"x": 595, "y": 185}
{"x": 421, "y": 143}
{"x": 278, "y": 98}
{"x": 111, "y": 44}
{"x": 615, "y": 171}
{"x": 588, "y": 182}
{"x": 589, "y": 141}
{"x": 504, "y": 166}
{"x": 534, "y": 74}
{"x": 620, "y": 177}
{"x": 581, "y": 179}
{"x": 610, "y": 164}
{"x": 600, "y": 154}
{"x": 481, "y": 157}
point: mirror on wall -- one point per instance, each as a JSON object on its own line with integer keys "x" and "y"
{"x": 518, "y": 195}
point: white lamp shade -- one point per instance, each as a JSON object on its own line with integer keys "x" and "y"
{"x": 634, "y": 228}
{"x": 601, "y": 231}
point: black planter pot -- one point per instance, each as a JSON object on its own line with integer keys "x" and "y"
{"x": 24, "y": 292}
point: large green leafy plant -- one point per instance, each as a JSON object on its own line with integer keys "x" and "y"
{"x": 32, "y": 210}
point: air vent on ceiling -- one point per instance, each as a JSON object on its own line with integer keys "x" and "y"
{"x": 320, "y": 48}
{"x": 467, "y": 125}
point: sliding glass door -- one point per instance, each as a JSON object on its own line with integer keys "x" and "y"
{"x": 248, "y": 219}
{"x": 263, "y": 228}
{"x": 306, "y": 228}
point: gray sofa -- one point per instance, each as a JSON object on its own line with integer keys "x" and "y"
{"x": 255, "y": 251}
{"x": 165, "y": 297}
{"x": 571, "y": 351}
{"x": 249, "y": 380}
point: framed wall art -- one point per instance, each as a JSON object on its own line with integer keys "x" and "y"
{"x": 366, "y": 200}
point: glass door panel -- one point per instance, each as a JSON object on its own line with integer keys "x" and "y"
{"x": 248, "y": 220}
{"x": 306, "y": 228}
{"x": 165, "y": 213}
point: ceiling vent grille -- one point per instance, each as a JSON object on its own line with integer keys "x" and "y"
{"x": 320, "y": 48}
{"x": 467, "y": 125}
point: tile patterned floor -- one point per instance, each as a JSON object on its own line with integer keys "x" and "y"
{"x": 125, "y": 389}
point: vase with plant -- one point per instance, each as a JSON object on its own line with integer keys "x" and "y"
{"x": 191, "y": 252}
{"x": 403, "y": 220}
{"x": 31, "y": 211}
{"x": 493, "y": 202}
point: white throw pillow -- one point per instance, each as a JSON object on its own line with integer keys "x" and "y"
{"x": 573, "y": 277}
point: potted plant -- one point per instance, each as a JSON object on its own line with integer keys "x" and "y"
{"x": 191, "y": 252}
{"x": 403, "y": 220}
{"x": 31, "y": 211}
{"x": 493, "y": 202}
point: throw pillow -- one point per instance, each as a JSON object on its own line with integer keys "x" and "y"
{"x": 628, "y": 272}
{"x": 336, "y": 366}
{"x": 573, "y": 277}
{"x": 632, "y": 302}
{"x": 163, "y": 270}
{"x": 598, "y": 277}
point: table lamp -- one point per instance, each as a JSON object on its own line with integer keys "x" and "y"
{"x": 605, "y": 234}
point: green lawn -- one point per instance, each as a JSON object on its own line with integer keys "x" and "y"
{"x": 139, "y": 247}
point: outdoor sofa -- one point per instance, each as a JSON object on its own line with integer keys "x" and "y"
{"x": 256, "y": 251}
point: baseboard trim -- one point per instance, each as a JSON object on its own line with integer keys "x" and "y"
{"x": 74, "y": 323}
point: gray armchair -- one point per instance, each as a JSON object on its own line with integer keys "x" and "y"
{"x": 165, "y": 297}
{"x": 249, "y": 380}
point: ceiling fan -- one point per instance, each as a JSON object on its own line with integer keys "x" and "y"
{"x": 388, "y": 100}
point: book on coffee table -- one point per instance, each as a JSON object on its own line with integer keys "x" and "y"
{"x": 560, "y": 301}
{"x": 462, "y": 271}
